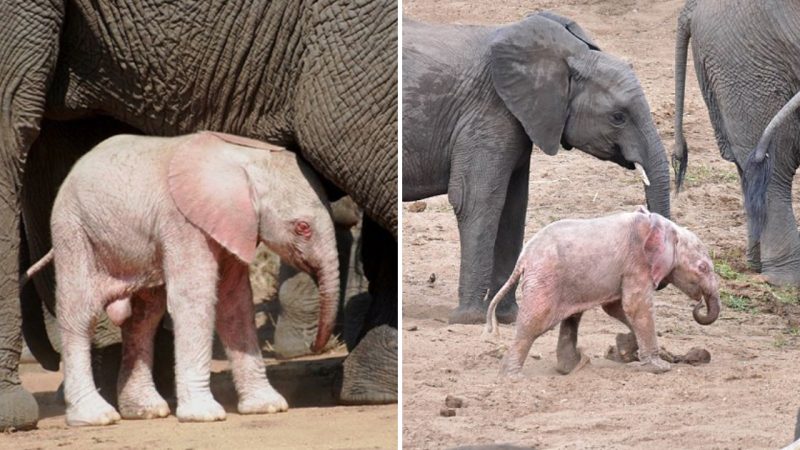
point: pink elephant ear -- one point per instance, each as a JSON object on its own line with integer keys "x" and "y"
{"x": 212, "y": 190}
{"x": 659, "y": 248}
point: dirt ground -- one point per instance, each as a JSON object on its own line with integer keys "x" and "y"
{"x": 746, "y": 397}
{"x": 313, "y": 420}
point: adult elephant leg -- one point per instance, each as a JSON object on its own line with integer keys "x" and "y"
{"x": 478, "y": 196}
{"x": 370, "y": 370}
{"x": 29, "y": 41}
{"x": 780, "y": 243}
{"x": 509, "y": 240}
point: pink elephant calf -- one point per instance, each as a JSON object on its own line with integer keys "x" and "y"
{"x": 147, "y": 224}
{"x": 616, "y": 262}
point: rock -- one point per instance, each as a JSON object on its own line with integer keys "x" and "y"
{"x": 412, "y": 328}
{"x": 453, "y": 402}
{"x": 417, "y": 207}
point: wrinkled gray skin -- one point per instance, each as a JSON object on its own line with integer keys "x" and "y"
{"x": 474, "y": 100}
{"x": 747, "y": 70}
{"x": 301, "y": 74}
{"x": 560, "y": 280}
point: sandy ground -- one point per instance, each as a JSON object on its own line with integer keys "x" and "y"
{"x": 313, "y": 419}
{"x": 747, "y": 397}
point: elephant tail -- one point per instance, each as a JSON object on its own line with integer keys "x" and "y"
{"x": 491, "y": 329}
{"x": 36, "y": 267}
{"x": 680, "y": 155}
{"x": 758, "y": 168}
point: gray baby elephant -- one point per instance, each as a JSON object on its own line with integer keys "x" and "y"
{"x": 616, "y": 261}
{"x": 147, "y": 224}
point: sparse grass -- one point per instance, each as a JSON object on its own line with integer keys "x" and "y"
{"x": 786, "y": 295}
{"x": 735, "y": 302}
{"x": 780, "y": 341}
{"x": 697, "y": 175}
{"x": 727, "y": 272}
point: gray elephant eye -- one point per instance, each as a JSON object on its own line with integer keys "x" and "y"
{"x": 618, "y": 118}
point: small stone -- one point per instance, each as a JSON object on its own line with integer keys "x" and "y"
{"x": 417, "y": 207}
{"x": 453, "y": 402}
{"x": 412, "y": 328}
{"x": 447, "y": 412}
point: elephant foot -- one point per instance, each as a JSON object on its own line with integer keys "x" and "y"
{"x": 142, "y": 405}
{"x": 264, "y": 401}
{"x": 512, "y": 374}
{"x": 782, "y": 277}
{"x": 18, "y": 409}
{"x": 571, "y": 362}
{"x": 91, "y": 411}
{"x": 507, "y": 312}
{"x": 200, "y": 409}
{"x": 469, "y": 315}
{"x": 369, "y": 375}
{"x": 654, "y": 365}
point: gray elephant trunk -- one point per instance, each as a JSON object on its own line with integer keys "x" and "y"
{"x": 712, "y": 309}
{"x": 657, "y": 168}
{"x": 328, "y": 281}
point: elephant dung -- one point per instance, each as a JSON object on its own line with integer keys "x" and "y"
{"x": 447, "y": 412}
{"x": 453, "y": 402}
{"x": 417, "y": 207}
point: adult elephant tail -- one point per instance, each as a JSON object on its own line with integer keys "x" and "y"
{"x": 680, "y": 155}
{"x": 758, "y": 168}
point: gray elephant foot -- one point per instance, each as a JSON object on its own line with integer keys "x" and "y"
{"x": 469, "y": 314}
{"x": 782, "y": 277}
{"x": 507, "y": 312}
{"x": 370, "y": 371}
{"x": 18, "y": 409}
{"x": 571, "y": 362}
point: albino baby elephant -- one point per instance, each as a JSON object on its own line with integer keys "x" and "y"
{"x": 144, "y": 224}
{"x": 617, "y": 262}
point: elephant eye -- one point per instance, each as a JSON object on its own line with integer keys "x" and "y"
{"x": 618, "y": 118}
{"x": 302, "y": 228}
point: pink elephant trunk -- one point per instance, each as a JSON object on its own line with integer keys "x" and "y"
{"x": 328, "y": 281}
{"x": 712, "y": 310}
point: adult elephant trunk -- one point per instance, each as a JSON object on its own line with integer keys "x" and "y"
{"x": 680, "y": 157}
{"x": 654, "y": 162}
{"x": 712, "y": 310}
{"x": 328, "y": 281}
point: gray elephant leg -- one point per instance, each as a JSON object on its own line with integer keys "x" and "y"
{"x": 478, "y": 195}
{"x": 29, "y": 41}
{"x": 509, "y": 241}
{"x": 780, "y": 243}
{"x": 567, "y": 352}
{"x": 370, "y": 371}
{"x": 18, "y": 408}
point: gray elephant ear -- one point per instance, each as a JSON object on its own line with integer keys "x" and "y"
{"x": 572, "y": 27}
{"x": 528, "y": 64}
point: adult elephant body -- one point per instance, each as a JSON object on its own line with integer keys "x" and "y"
{"x": 302, "y": 74}
{"x": 747, "y": 70}
{"x": 475, "y": 99}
